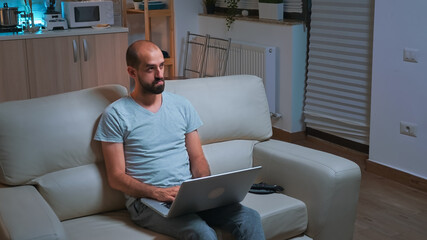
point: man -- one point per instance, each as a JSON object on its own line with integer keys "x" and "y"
{"x": 151, "y": 145}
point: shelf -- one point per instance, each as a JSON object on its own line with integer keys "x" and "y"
{"x": 256, "y": 19}
{"x": 169, "y": 61}
{"x": 168, "y": 14}
{"x": 153, "y": 13}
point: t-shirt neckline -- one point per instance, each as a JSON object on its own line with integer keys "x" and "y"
{"x": 146, "y": 110}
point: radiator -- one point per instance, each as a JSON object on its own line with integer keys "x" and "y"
{"x": 258, "y": 60}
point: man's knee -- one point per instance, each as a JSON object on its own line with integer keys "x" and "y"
{"x": 252, "y": 214}
{"x": 251, "y": 227}
{"x": 199, "y": 232}
{"x": 197, "y": 229}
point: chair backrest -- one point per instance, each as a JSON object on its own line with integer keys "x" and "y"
{"x": 217, "y": 51}
{"x": 195, "y": 50}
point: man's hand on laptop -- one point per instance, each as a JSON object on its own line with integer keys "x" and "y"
{"x": 166, "y": 194}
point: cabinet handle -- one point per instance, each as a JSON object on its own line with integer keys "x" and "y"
{"x": 75, "y": 52}
{"x": 85, "y": 49}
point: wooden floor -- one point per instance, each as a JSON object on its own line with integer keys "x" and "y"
{"x": 387, "y": 210}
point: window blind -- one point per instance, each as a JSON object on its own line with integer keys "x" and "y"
{"x": 339, "y": 68}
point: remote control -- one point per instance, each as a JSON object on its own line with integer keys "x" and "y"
{"x": 267, "y": 187}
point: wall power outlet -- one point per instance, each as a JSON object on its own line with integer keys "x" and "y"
{"x": 408, "y": 128}
{"x": 410, "y": 55}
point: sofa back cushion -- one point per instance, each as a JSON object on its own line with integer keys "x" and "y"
{"x": 47, "y": 134}
{"x": 229, "y": 156}
{"x": 231, "y": 107}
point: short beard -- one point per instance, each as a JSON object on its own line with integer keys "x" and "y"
{"x": 152, "y": 88}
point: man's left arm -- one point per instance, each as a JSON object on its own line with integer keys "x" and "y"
{"x": 198, "y": 164}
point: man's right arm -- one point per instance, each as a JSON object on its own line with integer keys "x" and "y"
{"x": 118, "y": 179}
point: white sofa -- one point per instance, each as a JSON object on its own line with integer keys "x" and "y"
{"x": 53, "y": 183}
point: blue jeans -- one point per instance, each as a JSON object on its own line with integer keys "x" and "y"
{"x": 242, "y": 222}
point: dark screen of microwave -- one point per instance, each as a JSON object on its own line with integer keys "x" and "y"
{"x": 86, "y": 14}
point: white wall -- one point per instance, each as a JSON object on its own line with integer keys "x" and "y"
{"x": 291, "y": 42}
{"x": 186, "y": 19}
{"x": 399, "y": 89}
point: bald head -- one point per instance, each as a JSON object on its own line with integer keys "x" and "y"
{"x": 138, "y": 50}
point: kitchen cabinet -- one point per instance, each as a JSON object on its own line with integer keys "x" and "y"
{"x": 52, "y": 62}
{"x": 63, "y": 64}
{"x": 104, "y": 59}
{"x": 53, "y": 65}
{"x": 13, "y": 71}
{"x": 168, "y": 15}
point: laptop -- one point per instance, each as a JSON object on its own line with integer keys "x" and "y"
{"x": 205, "y": 193}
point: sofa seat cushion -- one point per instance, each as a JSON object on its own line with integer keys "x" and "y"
{"x": 115, "y": 225}
{"x": 112, "y": 225}
{"x": 282, "y": 216}
{"x": 79, "y": 191}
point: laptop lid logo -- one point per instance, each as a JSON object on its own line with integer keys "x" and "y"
{"x": 216, "y": 193}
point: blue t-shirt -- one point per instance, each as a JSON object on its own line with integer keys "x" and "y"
{"x": 154, "y": 143}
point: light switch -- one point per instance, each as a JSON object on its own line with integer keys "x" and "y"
{"x": 410, "y": 55}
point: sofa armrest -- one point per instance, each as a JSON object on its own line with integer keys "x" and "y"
{"x": 24, "y": 214}
{"x": 327, "y": 184}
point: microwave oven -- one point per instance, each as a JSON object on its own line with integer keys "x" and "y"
{"x": 88, "y": 13}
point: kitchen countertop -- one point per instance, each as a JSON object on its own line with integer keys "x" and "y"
{"x": 60, "y": 33}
